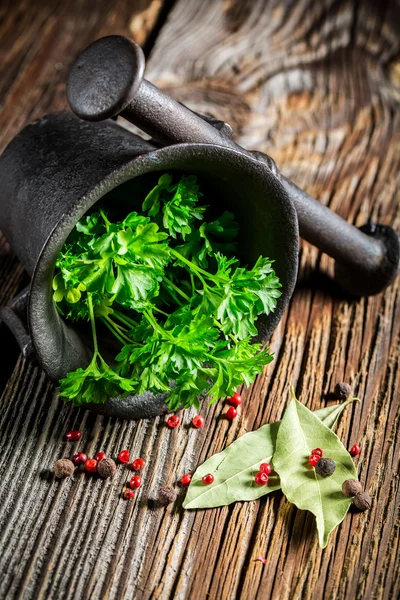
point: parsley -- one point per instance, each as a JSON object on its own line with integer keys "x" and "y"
{"x": 166, "y": 285}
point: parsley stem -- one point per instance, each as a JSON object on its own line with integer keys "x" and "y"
{"x": 160, "y": 311}
{"x": 92, "y": 321}
{"x": 106, "y": 221}
{"x": 116, "y": 325}
{"x": 195, "y": 269}
{"x": 124, "y": 319}
{"x": 174, "y": 287}
{"x": 114, "y": 331}
{"x": 117, "y": 330}
{"x": 153, "y": 322}
{"x": 192, "y": 266}
{"x": 218, "y": 324}
{"x": 172, "y": 294}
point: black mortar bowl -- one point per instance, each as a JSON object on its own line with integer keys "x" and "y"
{"x": 60, "y": 166}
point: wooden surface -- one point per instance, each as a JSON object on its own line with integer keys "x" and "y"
{"x": 317, "y": 86}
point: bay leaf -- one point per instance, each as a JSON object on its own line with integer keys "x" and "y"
{"x": 235, "y": 467}
{"x": 300, "y": 430}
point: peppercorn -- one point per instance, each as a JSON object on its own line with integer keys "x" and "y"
{"x": 135, "y": 482}
{"x": 198, "y": 422}
{"x": 124, "y": 456}
{"x": 173, "y": 421}
{"x": 231, "y": 413}
{"x": 138, "y": 464}
{"x": 325, "y": 466}
{"x": 317, "y": 452}
{"x": 79, "y": 458}
{"x": 73, "y": 436}
{"x": 313, "y": 460}
{"x": 355, "y": 450}
{"x": 362, "y": 501}
{"x": 351, "y": 487}
{"x": 165, "y": 495}
{"x": 99, "y": 456}
{"x": 266, "y": 468}
{"x": 261, "y": 478}
{"x": 208, "y": 479}
{"x": 106, "y": 467}
{"x": 63, "y": 468}
{"x": 91, "y": 465}
{"x": 235, "y": 400}
{"x": 342, "y": 391}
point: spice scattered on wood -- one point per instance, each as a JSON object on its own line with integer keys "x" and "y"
{"x": 99, "y": 456}
{"x": 106, "y": 467}
{"x": 135, "y": 482}
{"x": 173, "y": 421}
{"x": 128, "y": 494}
{"x": 231, "y": 413}
{"x": 325, "y": 467}
{"x": 355, "y": 450}
{"x": 262, "y": 559}
{"x": 138, "y": 464}
{"x": 91, "y": 465}
{"x": 186, "y": 479}
{"x": 342, "y": 391}
{"x": 165, "y": 495}
{"x": 124, "y": 456}
{"x": 362, "y": 501}
{"x": 198, "y": 421}
{"x": 235, "y": 400}
{"x": 73, "y": 435}
{"x": 79, "y": 458}
{"x": 351, "y": 487}
{"x": 63, "y": 468}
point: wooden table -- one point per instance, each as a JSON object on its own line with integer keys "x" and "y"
{"x": 317, "y": 86}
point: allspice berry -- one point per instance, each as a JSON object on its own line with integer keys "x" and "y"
{"x": 63, "y": 468}
{"x": 342, "y": 391}
{"x": 325, "y": 466}
{"x": 106, "y": 467}
{"x": 166, "y": 494}
{"x": 351, "y": 487}
{"x": 362, "y": 501}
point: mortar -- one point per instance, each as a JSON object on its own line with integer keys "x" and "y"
{"x": 57, "y": 168}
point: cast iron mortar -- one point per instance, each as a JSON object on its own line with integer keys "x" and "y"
{"x": 61, "y": 165}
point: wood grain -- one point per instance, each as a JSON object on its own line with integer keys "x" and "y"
{"x": 316, "y": 85}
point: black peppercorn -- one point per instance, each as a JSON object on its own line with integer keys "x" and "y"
{"x": 362, "y": 501}
{"x": 342, "y": 391}
{"x": 166, "y": 494}
{"x": 351, "y": 487}
{"x": 325, "y": 466}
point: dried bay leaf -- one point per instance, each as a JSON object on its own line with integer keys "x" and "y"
{"x": 235, "y": 467}
{"x": 300, "y": 430}
{"x": 330, "y": 414}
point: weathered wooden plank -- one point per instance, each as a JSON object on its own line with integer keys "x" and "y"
{"x": 316, "y": 86}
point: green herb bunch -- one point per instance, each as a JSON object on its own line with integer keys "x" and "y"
{"x": 166, "y": 285}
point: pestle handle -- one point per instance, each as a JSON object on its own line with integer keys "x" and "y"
{"x": 107, "y": 80}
